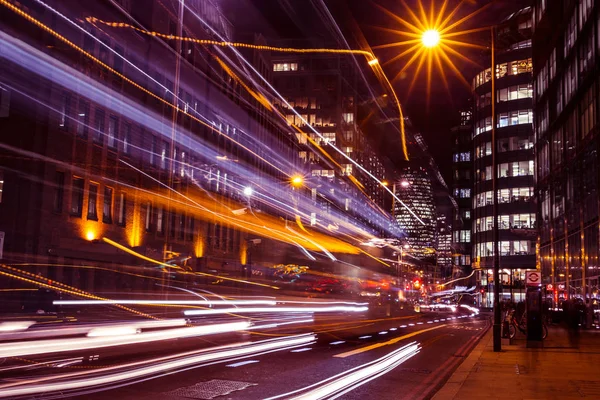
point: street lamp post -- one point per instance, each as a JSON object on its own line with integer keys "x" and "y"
{"x": 431, "y": 38}
{"x": 497, "y": 317}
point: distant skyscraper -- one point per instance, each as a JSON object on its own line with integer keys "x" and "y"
{"x": 443, "y": 245}
{"x": 462, "y": 189}
{"x": 415, "y": 190}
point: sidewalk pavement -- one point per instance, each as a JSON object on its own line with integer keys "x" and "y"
{"x": 567, "y": 367}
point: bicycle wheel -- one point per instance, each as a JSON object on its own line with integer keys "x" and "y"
{"x": 512, "y": 331}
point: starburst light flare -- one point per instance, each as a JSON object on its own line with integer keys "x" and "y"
{"x": 431, "y": 39}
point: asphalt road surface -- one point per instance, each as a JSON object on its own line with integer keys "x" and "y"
{"x": 349, "y": 361}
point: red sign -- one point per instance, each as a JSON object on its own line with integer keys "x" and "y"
{"x": 549, "y": 286}
{"x": 533, "y": 278}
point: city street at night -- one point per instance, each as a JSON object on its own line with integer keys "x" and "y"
{"x": 299, "y": 199}
{"x": 313, "y": 367}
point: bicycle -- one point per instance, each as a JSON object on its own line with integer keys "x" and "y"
{"x": 513, "y": 325}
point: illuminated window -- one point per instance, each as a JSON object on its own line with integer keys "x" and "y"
{"x": 92, "y": 212}
{"x": 148, "y": 217}
{"x": 182, "y": 167}
{"x": 329, "y": 137}
{"x": 163, "y": 155}
{"x": 127, "y": 139}
{"x": 122, "y": 209}
{"x": 463, "y": 236}
{"x": 113, "y": 131}
{"x": 462, "y": 193}
{"x": 65, "y": 103}
{"x": 348, "y": 117}
{"x": 159, "y": 219}
{"x": 83, "y": 112}
{"x": 570, "y": 35}
{"x": 77, "y": 197}
{"x": 302, "y": 139}
{"x": 285, "y": 67}
{"x": 107, "y": 205}
{"x": 327, "y": 173}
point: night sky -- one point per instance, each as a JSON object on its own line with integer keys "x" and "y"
{"x": 432, "y": 112}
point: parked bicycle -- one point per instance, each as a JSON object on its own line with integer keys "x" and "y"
{"x": 521, "y": 325}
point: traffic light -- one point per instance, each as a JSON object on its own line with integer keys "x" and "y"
{"x": 417, "y": 283}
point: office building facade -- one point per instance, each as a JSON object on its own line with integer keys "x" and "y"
{"x": 514, "y": 167}
{"x": 567, "y": 143}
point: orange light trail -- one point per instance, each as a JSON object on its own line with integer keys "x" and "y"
{"x": 136, "y": 254}
{"x": 371, "y": 59}
{"x": 63, "y": 288}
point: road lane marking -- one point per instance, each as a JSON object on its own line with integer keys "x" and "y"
{"x": 389, "y": 342}
{"x": 301, "y": 350}
{"x": 239, "y": 364}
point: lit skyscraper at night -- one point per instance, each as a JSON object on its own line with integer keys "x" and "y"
{"x": 415, "y": 189}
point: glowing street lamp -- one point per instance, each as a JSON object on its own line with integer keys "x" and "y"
{"x": 248, "y": 191}
{"x": 297, "y": 181}
{"x": 430, "y": 38}
{"x": 405, "y": 184}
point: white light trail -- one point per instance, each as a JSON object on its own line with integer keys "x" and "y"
{"x": 29, "y": 348}
{"x": 113, "y": 331}
{"x": 15, "y": 326}
{"x": 86, "y": 328}
{"x": 149, "y": 368}
{"x": 163, "y": 302}
{"x": 278, "y": 324}
{"x": 337, "y": 385}
{"x": 276, "y": 310}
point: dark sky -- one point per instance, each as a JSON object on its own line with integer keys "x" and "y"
{"x": 433, "y": 111}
